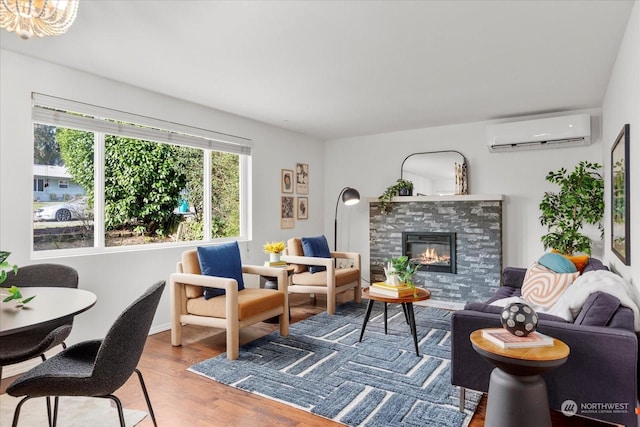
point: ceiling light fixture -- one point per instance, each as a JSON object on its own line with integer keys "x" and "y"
{"x": 39, "y": 17}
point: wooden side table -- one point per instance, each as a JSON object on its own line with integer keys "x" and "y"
{"x": 407, "y": 307}
{"x": 517, "y": 392}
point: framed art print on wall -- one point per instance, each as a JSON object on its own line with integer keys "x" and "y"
{"x": 620, "y": 207}
{"x": 286, "y": 180}
{"x": 303, "y": 208}
{"x": 287, "y": 211}
{"x": 302, "y": 178}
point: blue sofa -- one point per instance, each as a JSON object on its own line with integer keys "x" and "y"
{"x": 603, "y": 364}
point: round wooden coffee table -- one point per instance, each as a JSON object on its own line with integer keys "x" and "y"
{"x": 517, "y": 392}
{"x": 407, "y": 307}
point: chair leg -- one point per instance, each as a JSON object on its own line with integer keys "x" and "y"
{"x": 16, "y": 413}
{"x": 56, "y": 401}
{"x": 357, "y": 293}
{"x": 463, "y": 392}
{"x": 119, "y": 406}
{"x": 51, "y": 422}
{"x": 146, "y": 397}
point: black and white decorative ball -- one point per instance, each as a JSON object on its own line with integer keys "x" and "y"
{"x": 519, "y": 319}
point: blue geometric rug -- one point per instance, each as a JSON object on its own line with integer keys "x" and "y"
{"x": 323, "y": 369}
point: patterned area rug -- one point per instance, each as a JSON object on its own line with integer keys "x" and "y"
{"x": 323, "y": 369}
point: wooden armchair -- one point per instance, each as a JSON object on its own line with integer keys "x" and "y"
{"x": 330, "y": 282}
{"x": 232, "y": 311}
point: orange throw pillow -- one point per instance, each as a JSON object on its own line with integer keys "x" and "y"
{"x": 580, "y": 261}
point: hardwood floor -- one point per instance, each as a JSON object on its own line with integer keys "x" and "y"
{"x": 182, "y": 398}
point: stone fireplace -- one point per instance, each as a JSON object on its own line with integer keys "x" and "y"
{"x": 465, "y": 233}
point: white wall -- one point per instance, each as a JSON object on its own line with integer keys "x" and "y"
{"x": 622, "y": 105}
{"x": 117, "y": 278}
{"x": 371, "y": 163}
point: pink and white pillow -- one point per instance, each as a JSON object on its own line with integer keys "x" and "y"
{"x": 543, "y": 287}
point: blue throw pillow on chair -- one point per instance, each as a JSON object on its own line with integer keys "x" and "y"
{"x": 221, "y": 261}
{"x": 316, "y": 247}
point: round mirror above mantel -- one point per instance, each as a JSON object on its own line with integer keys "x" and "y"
{"x": 436, "y": 173}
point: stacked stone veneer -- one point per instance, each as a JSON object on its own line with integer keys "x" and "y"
{"x": 478, "y": 228}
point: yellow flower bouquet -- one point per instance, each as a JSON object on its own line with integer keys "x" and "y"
{"x": 273, "y": 247}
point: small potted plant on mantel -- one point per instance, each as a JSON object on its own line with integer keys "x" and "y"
{"x": 402, "y": 187}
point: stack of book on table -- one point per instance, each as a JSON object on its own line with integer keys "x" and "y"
{"x": 505, "y": 339}
{"x": 275, "y": 264}
{"x": 394, "y": 291}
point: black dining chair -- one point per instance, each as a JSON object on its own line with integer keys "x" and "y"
{"x": 95, "y": 368}
{"x": 35, "y": 341}
{"x": 40, "y": 338}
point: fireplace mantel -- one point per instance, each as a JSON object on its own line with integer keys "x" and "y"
{"x": 447, "y": 198}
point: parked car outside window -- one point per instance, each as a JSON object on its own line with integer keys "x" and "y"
{"x": 69, "y": 211}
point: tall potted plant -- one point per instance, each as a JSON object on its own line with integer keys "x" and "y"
{"x": 580, "y": 201}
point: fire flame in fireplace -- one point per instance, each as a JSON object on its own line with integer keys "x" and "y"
{"x": 430, "y": 256}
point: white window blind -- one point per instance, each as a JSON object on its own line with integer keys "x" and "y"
{"x": 77, "y": 115}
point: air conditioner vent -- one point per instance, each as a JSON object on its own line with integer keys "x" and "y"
{"x": 552, "y": 132}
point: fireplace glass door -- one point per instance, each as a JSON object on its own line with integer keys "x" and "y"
{"x": 434, "y": 251}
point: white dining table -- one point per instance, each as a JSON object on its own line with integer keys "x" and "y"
{"x": 50, "y": 303}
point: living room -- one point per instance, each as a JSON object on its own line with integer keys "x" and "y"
{"x": 368, "y": 161}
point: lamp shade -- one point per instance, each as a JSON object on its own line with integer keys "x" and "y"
{"x": 350, "y": 196}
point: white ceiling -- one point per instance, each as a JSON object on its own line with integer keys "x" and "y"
{"x": 334, "y": 69}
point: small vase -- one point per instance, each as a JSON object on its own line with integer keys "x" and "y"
{"x": 392, "y": 277}
{"x": 274, "y": 257}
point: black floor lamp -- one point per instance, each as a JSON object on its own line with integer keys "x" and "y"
{"x": 350, "y": 196}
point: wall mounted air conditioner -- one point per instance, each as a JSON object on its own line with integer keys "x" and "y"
{"x": 552, "y": 132}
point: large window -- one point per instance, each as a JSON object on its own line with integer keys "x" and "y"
{"x": 103, "y": 178}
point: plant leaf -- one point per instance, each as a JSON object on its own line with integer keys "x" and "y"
{"x": 26, "y": 300}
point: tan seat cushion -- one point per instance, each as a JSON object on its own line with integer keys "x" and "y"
{"x": 294, "y": 248}
{"x": 343, "y": 276}
{"x": 250, "y": 303}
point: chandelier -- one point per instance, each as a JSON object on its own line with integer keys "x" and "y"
{"x": 39, "y": 17}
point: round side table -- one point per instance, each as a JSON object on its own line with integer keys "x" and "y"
{"x": 407, "y": 307}
{"x": 517, "y": 392}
